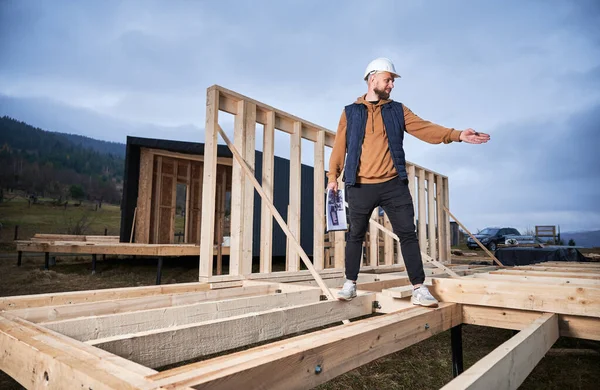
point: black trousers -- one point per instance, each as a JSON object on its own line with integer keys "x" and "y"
{"x": 394, "y": 197}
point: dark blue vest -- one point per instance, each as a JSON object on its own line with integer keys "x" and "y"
{"x": 356, "y": 117}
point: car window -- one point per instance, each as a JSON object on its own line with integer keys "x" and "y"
{"x": 489, "y": 231}
{"x": 515, "y": 232}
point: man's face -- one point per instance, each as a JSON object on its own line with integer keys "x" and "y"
{"x": 383, "y": 84}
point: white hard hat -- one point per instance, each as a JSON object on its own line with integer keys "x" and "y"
{"x": 381, "y": 65}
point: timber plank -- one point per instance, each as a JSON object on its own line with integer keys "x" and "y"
{"x": 39, "y": 358}
{"x": 96, "y": 327}
{"x": 175, "y": 344}
{"x": 570, "y": 326}
{"x": 290, "y": 364}
{"x": 108, "y": 305}
{"x": 539, "y": 279}
{"x": 509, "y": 365}
{"x": 575, "y": 300}
{"x": 545, "y": 273}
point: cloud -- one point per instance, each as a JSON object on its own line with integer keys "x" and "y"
{"x": 526, "y": 72}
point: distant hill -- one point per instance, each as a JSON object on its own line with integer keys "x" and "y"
{"x": 588, "y": 239}
{"x": 103, "y": 147}
{"x": 46, "y": 163}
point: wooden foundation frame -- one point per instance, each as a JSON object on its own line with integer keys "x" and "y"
{"x": 123, "y": 338}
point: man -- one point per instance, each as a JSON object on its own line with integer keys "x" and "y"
{"x": 371, "y": 133}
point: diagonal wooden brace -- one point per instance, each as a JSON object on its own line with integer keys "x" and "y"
{"x": 277, "y": 216}
{"x": 423, "y": 254}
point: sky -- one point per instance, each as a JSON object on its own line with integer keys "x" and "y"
{"x": 526, "y": 72}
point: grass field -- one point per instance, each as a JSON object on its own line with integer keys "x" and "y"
{"x": 45, "y": 217}
{"x": 426, "y": 365}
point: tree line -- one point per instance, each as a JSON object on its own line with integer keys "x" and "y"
{"x": 60, "y": 166}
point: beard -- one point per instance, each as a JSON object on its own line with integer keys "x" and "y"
{"x": 381, "y": 94}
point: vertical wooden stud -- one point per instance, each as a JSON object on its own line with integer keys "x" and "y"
{"x": 293, "y": 261}
{"x": 374, "y": 240}
{"x": 422, "y": 213}
{"x": 266, "y": 220}
{"x": 431, "y": 215}
{"x": 209, "y": 184}
{"x": 319, "y": 201}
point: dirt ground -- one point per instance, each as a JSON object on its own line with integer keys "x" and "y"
{"x": 425, "y": 365}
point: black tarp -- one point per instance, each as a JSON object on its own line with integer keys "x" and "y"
{"x": 524, "y": 256}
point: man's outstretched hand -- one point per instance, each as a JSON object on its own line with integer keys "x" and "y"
{"x": 470, "y": 136}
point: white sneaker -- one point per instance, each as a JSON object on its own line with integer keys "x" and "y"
{"x": 348, "y": 291}
{"x": 422, "y": 296}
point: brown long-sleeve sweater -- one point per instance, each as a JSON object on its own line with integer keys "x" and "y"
{"x": 376, "y": 165}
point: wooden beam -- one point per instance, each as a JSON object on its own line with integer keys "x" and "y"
{"x": 490, "y": 254}
{"x": 294, "y": 276}
{"x": 238, "y": 192}
{"x": 72, "y": 237}
{"x": 431, "y": 211}
{"x": 109, "y": 325}
{"x": 52, "y": 306}
{"x": 309, "y": 360}
{"x": 411, "y": 173}
{"x": 569, "y": 275}
{"x": 542, "y": 267}
{"x": 209, "y": 183}
{"x": 441, "y": 227}
{"x": 228, "y": 161}
{"x": 110, "y": 249}
{"x": 248, "y": 211}
{"x": 284, "y": 121}
{"x": 447, "y": 239}
{"x": 580, "y": 327}
{"x": 220, "y": 215}
{"x": 575, "y": 300}
{"x": 407, "y": 290}
{"x": 539, "y": 279}
{"x": 422, "y": 211}
{"x": 266, "y": 219}
{"x": 379, "y": 285}
{"x": 509, "y": 365}
{"x": 167, "y": 346}
{"x": 163, "y": 302}
{"x": 319, "y": 202}
{"x": 39, "y": 358}
{"x": 295, "y": 186}
{"x": 400, "y": 255}
{"x": 388, "y": 243}
{"x": 374, "y": 240}
{"x": 578, "y": 264}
